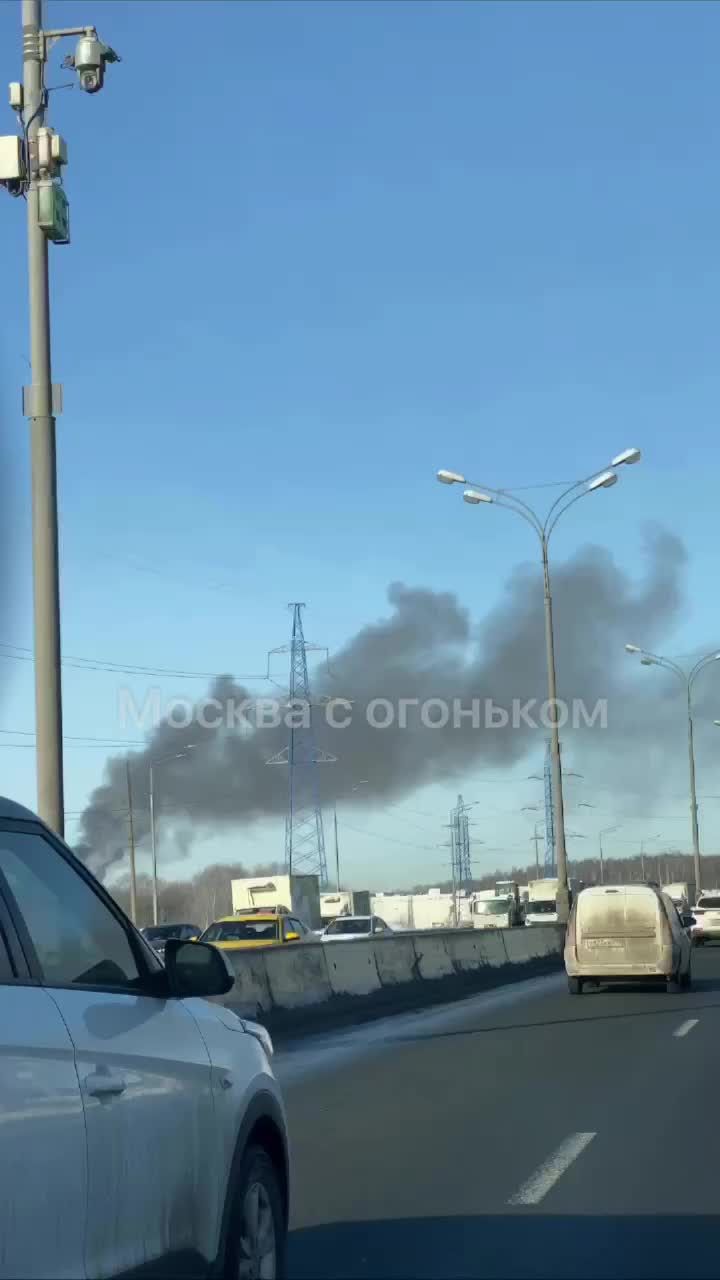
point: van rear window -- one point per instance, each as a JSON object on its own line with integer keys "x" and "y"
{"x": 625, "y": 915}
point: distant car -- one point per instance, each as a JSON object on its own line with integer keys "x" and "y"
{"x": 346, "y": 927}
{"x": 144, "y": 1119}
{"x": 629, "y": 933}
{"x": 707, "y": 919}
{"x": 249, "y": 929}
{"x": 158, "y": 934}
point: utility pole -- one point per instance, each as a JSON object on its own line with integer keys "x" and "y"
{"x": 30, "y": 166}
{"x": 133, "y": 881}
{"x": 536, "y": 838}
{"x": 154, "y": 850}
{"x": 39, "y": 408}
{"x": 337, "y": 850}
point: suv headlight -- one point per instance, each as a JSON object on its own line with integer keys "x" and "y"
{"x": 259, "y": 1032}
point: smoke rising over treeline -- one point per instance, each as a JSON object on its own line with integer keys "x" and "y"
{"x": 428, "y": 647}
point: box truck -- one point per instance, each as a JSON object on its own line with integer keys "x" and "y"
{"x": 541, "y": 906}
{"x": 300, "y": 895}
{"x": 344, "y": 902}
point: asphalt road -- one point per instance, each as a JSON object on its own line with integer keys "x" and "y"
{"x": 523, "y": 1132}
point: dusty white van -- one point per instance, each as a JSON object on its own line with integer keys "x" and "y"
{"x": 626, "y": 932}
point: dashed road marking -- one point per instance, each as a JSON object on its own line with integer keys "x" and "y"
{"x": 544, "y": 1178}
{"x": 684, "y": 1027}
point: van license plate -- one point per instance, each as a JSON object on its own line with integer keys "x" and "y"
{"x": 607, "y": 944}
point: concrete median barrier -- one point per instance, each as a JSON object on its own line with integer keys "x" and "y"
{"x": 251, "y": 994}
{"x": 351, "y": 968}
{"x": 310, "y": 986}
{"x": 297, "y": 975}
{"x": 468, "y": 949}
{"x": 396, "y": 961}
{"x": 433, "y": 960}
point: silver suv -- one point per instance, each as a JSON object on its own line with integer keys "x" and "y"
{"x": 142, "y": 1125}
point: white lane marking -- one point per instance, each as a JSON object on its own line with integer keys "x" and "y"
{"x": 544, "y": 1178}
{"x": 684, "y": 1027}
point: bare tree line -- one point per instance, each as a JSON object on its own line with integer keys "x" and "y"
{"x": 207, "y": 895}
{"x": 200, "y": 900}
{"x": 670, "y": 867}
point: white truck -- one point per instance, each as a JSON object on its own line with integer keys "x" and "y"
{"x": 497, "y": 908}
{"x": 541, "y": 906}
{"x": 344, "y": 902}
{"x": 300, "y": 895}
{"x": 494, "y": 912}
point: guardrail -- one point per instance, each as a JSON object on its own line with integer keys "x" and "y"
{"x": 296, "y": 987}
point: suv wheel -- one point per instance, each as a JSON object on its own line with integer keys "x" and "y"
{"x": 258, "y": 1235}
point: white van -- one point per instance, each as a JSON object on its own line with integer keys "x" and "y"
{"x": 629, "y": 932}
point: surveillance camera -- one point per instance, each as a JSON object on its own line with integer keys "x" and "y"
{"x": 89, "y": 61}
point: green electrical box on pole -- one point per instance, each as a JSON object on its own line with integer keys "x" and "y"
{"x": 54, "y": 212}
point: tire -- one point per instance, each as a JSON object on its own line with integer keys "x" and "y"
{"x": 674, "y": 986}
{"x": 575, "y": 986}
{"x": 257, "y": 1245}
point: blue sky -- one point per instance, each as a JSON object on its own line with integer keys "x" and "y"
{"x": 319, "y": 250}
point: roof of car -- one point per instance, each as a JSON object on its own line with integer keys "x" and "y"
{"x": 246, "y": 915}
{"x": 17, "y": 812}
{"x": 594, "y": 890}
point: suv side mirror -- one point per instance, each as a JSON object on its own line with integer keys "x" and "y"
{"x": 196, "y": 969}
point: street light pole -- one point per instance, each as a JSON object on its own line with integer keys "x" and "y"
{"x": 693, "y": 791}
{"x": 479, "y": 494}
{"x": 133, "y": 880}
{"x": 356, "y": 787}
{"x": 40, "y": 156}
{"x": 337, "y": 849}
{"x": 605, "y": 832}
{"x": 178, "y": 755}
{"x": 555, "y": 761}
{"x": 39, "y": 409}
{"x": 154, "y": 851}
{"x": 536, "y": 838}
{"x": 688, "y": 679}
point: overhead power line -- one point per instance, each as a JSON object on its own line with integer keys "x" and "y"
{"x": 83, "y": 737}
{"x": 22, "y": 653}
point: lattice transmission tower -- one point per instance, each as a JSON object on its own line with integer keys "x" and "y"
{"x": 460, "y": 845}
{"x": 304, "y": 833}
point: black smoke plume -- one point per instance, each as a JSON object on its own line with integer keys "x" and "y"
{"x": 428, "y": 647}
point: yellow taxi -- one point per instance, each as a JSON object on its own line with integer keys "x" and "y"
{"x": 254, "y": 928}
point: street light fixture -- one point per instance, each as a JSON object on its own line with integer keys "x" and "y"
{"x": 479, "y": 494}
{"x": 688, "y": 678}
{"x": 176, "y": 755}
{"x": 604, "y": 481}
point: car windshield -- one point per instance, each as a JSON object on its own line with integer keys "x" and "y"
{"x": 710, "y": 903}
{"x": 241, "y": 931}
{"x": 161, "y": 932}
{"x": 357, "y": 924}
{"x": 492, "y": 907}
